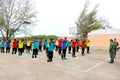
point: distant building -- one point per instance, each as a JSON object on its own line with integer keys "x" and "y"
{"x": 101, "y": 37}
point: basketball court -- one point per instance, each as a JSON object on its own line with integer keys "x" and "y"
{"x": 93, "y": 66}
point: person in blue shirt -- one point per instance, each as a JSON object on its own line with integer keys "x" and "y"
{"x": 2, "y": 46}
{"x": 40, "y": 45}
{"x": 64, "y": 48}
{"x": 35, "y": 48}
{"x": 50, "y": 50}
{"x": 8, "y": 46}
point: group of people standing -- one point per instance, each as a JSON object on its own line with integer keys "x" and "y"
{"x": 16, "y": 45}
{"x": 72, "y": 45}
{"x": 60, "y": 45}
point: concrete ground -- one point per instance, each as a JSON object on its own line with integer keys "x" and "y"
{"x": 93, "y": 66}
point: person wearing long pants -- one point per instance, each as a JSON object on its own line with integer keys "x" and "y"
{"x": 35, "y": 48}
{"x": 50, "y": 50}
{"x": 14, "y": 46}
{"x": 21, "y": 47}
{"x": 8, "y": 46}
{"x": 73, "y": 48}
{"x": 88, "y": 46}
{"x": 60, "y": 46}
{"x": 112, "y": 51}
{"x": 69, "y": 44}
{"x": 116, "y": 45}
{"x": 83, "y": 47}
{"x": 2, "y": 46}
{"x": 64, "y": 47}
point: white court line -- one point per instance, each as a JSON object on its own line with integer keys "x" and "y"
{"x": 52, "y": 63}
{"x": 68, "y": 67}
{"x": 65, "y": 66}
{"x": 96, "y": 65}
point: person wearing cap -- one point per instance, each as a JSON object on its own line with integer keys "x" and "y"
{"x": 116, "y": 45}
{"x": 112, "y": 51}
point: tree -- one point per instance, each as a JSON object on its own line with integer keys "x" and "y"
{"x": 88, "y": 21}
{"x": 14, "y": 14}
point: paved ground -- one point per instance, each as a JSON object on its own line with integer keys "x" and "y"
{"x": 93, "y": 66}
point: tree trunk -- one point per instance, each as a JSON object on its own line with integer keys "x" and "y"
{"x": 85, "y": 35}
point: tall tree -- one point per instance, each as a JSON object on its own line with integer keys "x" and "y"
{"x": 14, "y": 15}
{"x": 88, "y": 21}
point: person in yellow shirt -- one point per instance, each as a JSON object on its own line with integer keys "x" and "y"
{"x": 28, "y": 45}
{"x": 21, "y": 47}
{"x": 88, "y": 46}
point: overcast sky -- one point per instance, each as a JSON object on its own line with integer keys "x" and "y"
{"x": 57, "y": 16}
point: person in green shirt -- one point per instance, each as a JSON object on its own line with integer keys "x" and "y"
{"x": 112, "y": 51}
{"x": 116, "y": 45}
{"x": 69, "y": 44}
{"x": 2, "y": 46}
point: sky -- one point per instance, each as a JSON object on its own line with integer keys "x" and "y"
{"x": 55, "y": 17}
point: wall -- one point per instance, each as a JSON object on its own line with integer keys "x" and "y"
{"x": 100, "y": 40}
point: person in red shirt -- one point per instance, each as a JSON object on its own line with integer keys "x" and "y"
{"x": 73, "y": 48}
{"x": 14, "y": 46}
{"x": 60, "y": 46}
{"x": 77, "y": 45}
{"x": 83, "y": 46}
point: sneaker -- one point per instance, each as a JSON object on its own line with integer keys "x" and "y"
{"x": 35, "y": 58}
{"x": 74, "y": 56}
{"x": 83, "y": 54}
{"x": 62, "y": 58}
{"x": 48, "y": 61}
{"x": 110, "y": 62}
{"x": 65, "y": 58}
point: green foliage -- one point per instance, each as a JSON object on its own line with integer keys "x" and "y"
{"x": 42, "y": 37}
{"x": 88, "y": 21}
{"x": 13, "y": 15}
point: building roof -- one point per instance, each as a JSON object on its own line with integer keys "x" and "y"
{"x": 106, "y": 31}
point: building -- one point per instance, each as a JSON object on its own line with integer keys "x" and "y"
{"x": 101, "y": 37}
